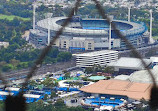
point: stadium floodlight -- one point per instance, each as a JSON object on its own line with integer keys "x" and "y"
{"x": 49, "y": 15}
{"x": 111, "y": 19}
{"x": 35, "y": 5}
{"x": 150, "y": 37}
{"x": 129, "y": 13}
{"x": 34, "y": 14}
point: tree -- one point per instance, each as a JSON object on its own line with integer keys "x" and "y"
{"x": 2, "y": 63}
{"x": 64, "y": 56}
{"x": 14, "y": 62}
{"x": 64, "y": 71}
{"x": 88, "y": 70}
{"x": 47, "y": 82}
{"x": 45, "y": 97}
{"x": 7, "y": 68}
{"x": 32, "y": 83}
{"x": 53, "y": 94}
{"x": 108, "y": 70}
{"x": 67, "y": 75}
{"x": 59, "y": 103}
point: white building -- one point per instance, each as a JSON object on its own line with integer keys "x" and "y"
{"x": 128, "y": 63}
{"x": 97, "y": 57}
{"x": 4, "y": 45}
{"x": 154, "y": 60}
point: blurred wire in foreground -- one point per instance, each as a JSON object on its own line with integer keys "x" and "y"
{"x": 47, "y": 49}
{"x": 154, "y": 90}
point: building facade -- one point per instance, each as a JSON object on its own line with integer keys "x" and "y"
{"x": 88, "y": 34}
{"x": 97, "y": 57}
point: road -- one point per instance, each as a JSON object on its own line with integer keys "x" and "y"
{"x": 41, "y": 70}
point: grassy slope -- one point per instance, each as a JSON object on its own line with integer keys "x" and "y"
{"x": 11, "y": 17}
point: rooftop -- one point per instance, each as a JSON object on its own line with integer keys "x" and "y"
{"x": 95, "y": 53}
{"x": 119, "y": 87}
{"x": 137, "y": 76}
{"x": 122, "y": 77}
{"x": 12, "y": 88}
{"x": 31, "y": 96}
{"x": 5, "y": 93}
{"x": 54, "y": 26}
{"x": 96, "y": 78}
{"x": 154, "y": 59}
{"x": 129, "y": 63}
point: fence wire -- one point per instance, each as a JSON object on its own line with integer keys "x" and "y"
{"x": 154, "y": 90}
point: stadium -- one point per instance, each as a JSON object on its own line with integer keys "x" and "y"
{"x": 87, "y": 33}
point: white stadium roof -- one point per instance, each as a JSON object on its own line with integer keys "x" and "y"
{"x": 122, "y": 77}
{"x": 54, "y": 26}
{"x": 51, "y": 22}
{"x": 143, "y": 76}
{"x": 129, "y": 63}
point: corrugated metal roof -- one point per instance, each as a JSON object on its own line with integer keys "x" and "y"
{"x": 118, "y": 87}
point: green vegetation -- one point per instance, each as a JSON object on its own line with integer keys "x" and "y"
{"x": 11, "y": 17}
{"x": 15, "y": 19}
{"x": 16, "y": 8}
{"x": 155, "y": 37}
{"x": 58, "y": 106}
{"x": 98, "y": 68}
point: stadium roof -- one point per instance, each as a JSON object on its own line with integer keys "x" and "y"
{"x": 118, "y": 87}
{"x": 137, "y": 76}
{"x": 130, "y": 63}
{"x": 122, "y": 77}
{"x": 54, "y": 26}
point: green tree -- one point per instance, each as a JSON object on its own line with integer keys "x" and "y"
{"x": 67, "y": 75}
{"x": 48, "y": 82}
{"x": 59, "y": 103}
{"x": 14, "y": 62}
{"x": 108, "y": 70}
{"x": 45, "y": 97}
{"x": 7, "y": 68}
{"x": 53, "y": 94}
{"x": 88, "y": 70}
